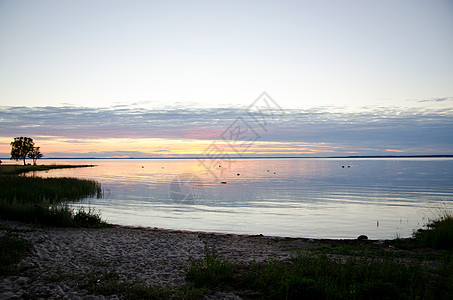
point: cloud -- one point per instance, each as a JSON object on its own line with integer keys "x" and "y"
{"x": 79, "y": 122}
{"x": 100, "y": 154}
{"x": 369, "y": 130}
{"x": 443, "y": 99}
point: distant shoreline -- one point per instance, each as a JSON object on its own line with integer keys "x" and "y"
{"x": 260, "y": 157}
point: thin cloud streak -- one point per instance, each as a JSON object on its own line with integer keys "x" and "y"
{"x": 442, "y": 99}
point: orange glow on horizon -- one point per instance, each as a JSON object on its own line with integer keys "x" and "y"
{"x": 167, "y": 147}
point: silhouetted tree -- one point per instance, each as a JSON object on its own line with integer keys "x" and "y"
{"x": 35, "y": 155}
{"x": 21, "y": 147}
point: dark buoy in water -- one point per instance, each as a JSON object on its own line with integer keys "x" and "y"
{"x": 275, "y": 173}
{"x": 223, "y": 182}
{"x": 268, "y": 170}
{"x": 362, "y": 237}
{"x": 349, "y": 166}
{"x": 238, "y": 174}
{"x": 342, "y": 166}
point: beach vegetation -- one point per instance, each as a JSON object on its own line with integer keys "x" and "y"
{"x": 36, "y": 189}
{"x": 210, "y": 271}
{"x": 320, "y": 276}
{"x": 12, "y": 250}
{"x": 50, "y": 214}
{"x": 44, "y": 201}
{"x": 31, "y": 169}
{"x": 110, "y": 283}
{"x": 438, "y": 232}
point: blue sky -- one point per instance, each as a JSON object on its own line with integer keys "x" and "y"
{"x": 346, "y": 60}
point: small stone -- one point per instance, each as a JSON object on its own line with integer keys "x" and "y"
{"x": 362, "y": 237}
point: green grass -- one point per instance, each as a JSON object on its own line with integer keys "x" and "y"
{"x": 110, "y": 283}
{"x": 19, "y": 169}
{"x": 397, "y": 269}
{"x": 314, "y": 276}
{"x": 50, "y": 214}
{"x": 211, "y": 271}
{"x": 15, "y": 188}
{"x": 12, "y": 250}
{"x": 41, "y": 200}
{"x": 438, "y": 233}
{"x": 321, "y": 277}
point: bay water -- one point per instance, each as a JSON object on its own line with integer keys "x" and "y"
{"x": 296, "y": 197}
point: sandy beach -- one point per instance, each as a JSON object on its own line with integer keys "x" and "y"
{"x": 76, "y": 263}
{"x": 156, "y": 257}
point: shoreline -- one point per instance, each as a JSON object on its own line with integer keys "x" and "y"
{"x": 247, "y": 235}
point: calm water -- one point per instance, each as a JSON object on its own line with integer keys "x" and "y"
{"x": 285, "y": 197}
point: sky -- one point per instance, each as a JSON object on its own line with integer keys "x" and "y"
{"x": 176, "y": 78}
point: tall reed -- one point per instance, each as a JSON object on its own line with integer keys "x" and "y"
{"x": 41, "y": 200}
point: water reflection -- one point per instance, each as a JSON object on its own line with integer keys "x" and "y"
{"x": 288, "y": 197}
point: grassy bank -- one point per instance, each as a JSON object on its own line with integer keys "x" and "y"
{"x": 324, "y": 274}
{"x": 21, "y": 189}
{"x": 20, "y": 169}
{"x": 42, "y": 200}
{"x": 420, "y": 267}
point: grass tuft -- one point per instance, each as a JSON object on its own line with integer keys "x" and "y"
{"x": 438, "y": 233}
{"x": 111, "y": 284}
{"x": 88, "y": 218}
{"x": 210, "y": 271}
{"x": 12, "y": 250}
